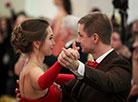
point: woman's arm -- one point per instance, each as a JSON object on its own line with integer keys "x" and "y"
{"x": 62, "y": 78}
{"x": 45, "y": 80}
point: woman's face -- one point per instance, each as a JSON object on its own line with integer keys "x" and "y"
{"x": 49, "y": 43}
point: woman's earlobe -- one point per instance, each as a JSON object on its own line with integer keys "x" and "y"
{"x": 36, "y": 44}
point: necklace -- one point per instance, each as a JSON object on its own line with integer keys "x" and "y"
{"x": 42, "y": 65}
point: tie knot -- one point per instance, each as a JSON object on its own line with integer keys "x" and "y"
{"x": 92, "y": 64}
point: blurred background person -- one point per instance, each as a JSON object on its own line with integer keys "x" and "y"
{"x": 5, "y": 51}
{"x": 133, "y": 95}
{"x": 64, "y": 9}
{"x": 120, "y": 48}
{"x": 69, "y": 34}
{"x": 17, "y": 18}
{"x": 95, "y": 9}
{"x": 7, "y": 56}
{"x": 135, "y": 53}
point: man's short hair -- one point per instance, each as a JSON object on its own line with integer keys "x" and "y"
{"x": 99, "y": 23}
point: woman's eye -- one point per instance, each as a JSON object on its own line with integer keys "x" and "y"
{"x": 51, "y": 38}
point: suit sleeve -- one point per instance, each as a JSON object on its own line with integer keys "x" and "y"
{"x": 116, "y": 79}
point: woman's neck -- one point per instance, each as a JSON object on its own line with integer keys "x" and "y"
{"x": 35, "y": 59}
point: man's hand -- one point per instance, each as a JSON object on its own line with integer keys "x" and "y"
{"x": 17, "y": 91}
{"x": 68, "y": 57}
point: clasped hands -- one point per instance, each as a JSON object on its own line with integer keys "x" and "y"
{"x": 69, "y": 57}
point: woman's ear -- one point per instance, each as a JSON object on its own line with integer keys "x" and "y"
{"x": 36, "y": 44}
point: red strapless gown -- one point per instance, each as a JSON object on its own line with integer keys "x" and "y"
{"x": 54, "y": 95}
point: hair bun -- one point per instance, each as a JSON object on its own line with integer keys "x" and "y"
{"x": 18, "y": 40}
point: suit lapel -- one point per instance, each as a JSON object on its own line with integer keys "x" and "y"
{"x": 104, "y": 62}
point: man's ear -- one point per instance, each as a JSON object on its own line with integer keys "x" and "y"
{"x": 95, "y": 38}
{"x": 36, "y": 44}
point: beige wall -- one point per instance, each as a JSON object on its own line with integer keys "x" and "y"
{"x": 80, "y": 7}
{"x": 46, "y": 8}
{"x": 17, "y": 4}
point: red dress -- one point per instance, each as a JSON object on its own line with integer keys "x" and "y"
{"x": 54, "y": 95}
{"x": 47, "y": 81}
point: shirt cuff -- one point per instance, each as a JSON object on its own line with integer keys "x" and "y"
{"x": 80, "y": 72}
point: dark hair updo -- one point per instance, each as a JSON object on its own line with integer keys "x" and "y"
{"x": 27, "y": 32}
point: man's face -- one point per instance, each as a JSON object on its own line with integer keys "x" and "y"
{"x": 84, "y": 40}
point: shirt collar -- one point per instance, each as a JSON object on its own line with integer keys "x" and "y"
{"x": 103, "y": 56}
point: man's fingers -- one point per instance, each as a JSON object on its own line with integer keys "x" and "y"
{"x": 62, "y": 60}
{"x": 67, "y": 59}
{"x": 18, "y": 95}
{"x": 74, "y": 46}
{"x": 75, "y": 54}
{"x": 17, "y": 81}
{"x": 17, "y": 90}
{"x": 67, "y": 54}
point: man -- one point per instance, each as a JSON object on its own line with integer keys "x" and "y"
{"x": 110, "y": 81}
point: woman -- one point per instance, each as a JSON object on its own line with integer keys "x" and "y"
{"x": 34, "y": 38}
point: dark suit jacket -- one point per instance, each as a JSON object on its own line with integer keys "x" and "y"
{"x": 109, "y": 82}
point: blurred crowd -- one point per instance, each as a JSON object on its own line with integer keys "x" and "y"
{"x": 64, "y": 27}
